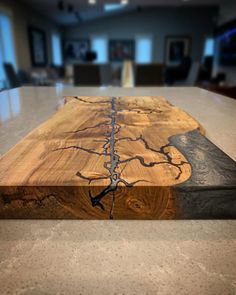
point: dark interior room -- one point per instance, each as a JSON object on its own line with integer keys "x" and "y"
{"x": 117, "y": 147}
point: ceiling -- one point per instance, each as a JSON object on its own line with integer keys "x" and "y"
{"x": 82, "y": 11}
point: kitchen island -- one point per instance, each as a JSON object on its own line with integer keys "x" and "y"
{"x": 117, "y": 257}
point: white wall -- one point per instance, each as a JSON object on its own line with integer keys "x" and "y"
{"x": 22, "y": 16}
{"x": 196, "y": 22}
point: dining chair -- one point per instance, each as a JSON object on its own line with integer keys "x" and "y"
{"x": 149, "y": 75}
{"x": 11, "y": 75}
{"x": 192, "y": 77}
{"x": 87, "y": 75}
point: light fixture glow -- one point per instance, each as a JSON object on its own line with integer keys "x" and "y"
{"x": 124, "y": 2}
{"x": 92, "y": 2}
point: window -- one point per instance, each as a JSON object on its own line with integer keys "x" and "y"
{"x": 209, "y": 47}
{"x": 7, "y": 52}
{"x": 56, "y": 50}
{"x": 2, "y": 74}
{"x": 99, "y": 45}
{"x": 143, "y": 49}
{"x": 113, "y": 6}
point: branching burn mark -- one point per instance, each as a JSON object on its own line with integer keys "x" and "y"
{"x": 92, "y": 127}
{"x": 112, "y": 164}
{"x": 161, "y": 151}
{"x": 92, "y": 102}
{"x": 82, "y": 149}
{"x": 89, "y": 179}
{"x": 145, "y": 111}
{"x": 109, "y": 149}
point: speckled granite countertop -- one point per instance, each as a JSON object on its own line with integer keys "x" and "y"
{"x": 117, "y": 257}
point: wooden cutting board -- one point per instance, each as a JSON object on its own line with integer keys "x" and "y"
{"x": 117, "y": 158}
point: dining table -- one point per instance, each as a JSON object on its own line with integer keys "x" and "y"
{"x": 61, "y": 256}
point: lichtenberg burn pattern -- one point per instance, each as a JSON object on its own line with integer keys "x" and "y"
{"x": 109, "y": 149}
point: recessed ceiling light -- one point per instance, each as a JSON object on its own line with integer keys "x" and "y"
{"x": 124, "y": 2}
{"x": 92, "y": 2}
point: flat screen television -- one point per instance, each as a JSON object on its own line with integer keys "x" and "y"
{"x": 227, "y": 44}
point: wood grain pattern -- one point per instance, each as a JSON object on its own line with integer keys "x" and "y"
{"x": 100, "y": 157}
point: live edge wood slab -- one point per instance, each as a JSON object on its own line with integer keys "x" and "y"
{"x": 117, "y": 158}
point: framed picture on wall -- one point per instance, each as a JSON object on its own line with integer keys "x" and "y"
{"x": 120, "y": 50}
{"x": 75, "y": 50}
{"x": 177, "y": 47}
{"x": 227, "y": 49}
{"x": 38, "y": 46}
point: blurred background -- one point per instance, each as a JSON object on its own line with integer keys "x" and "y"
{"x": 119, "y": 43}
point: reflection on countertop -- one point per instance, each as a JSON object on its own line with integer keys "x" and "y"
{"x": 9, "y": 104}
